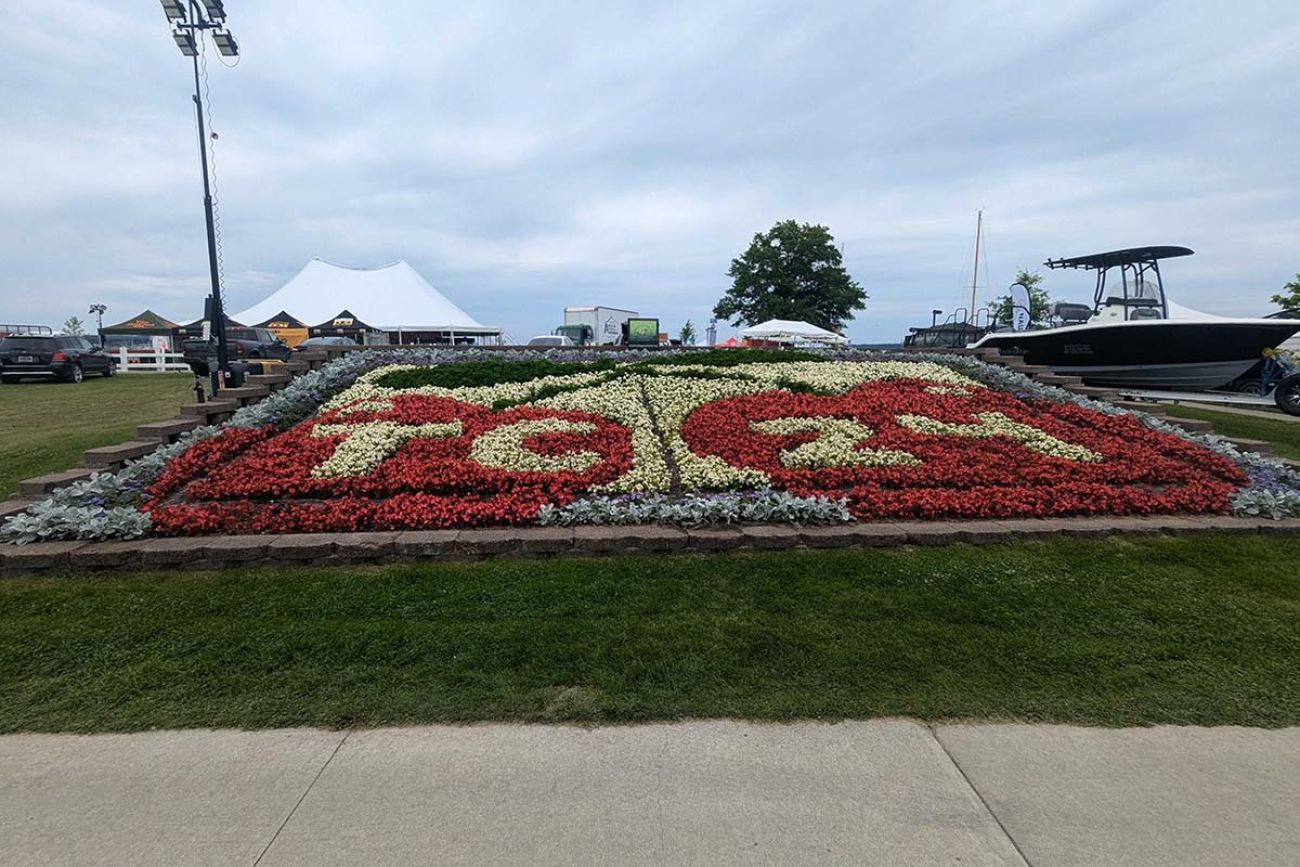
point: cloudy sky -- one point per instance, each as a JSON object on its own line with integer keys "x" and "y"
{"x": 527, "y": 156}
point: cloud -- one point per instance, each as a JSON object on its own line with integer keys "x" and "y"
{"x": 527, "y": 158}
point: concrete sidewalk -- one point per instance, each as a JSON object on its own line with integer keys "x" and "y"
{"x": 708, "y": 793}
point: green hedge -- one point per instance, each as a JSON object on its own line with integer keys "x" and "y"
{"x": 485, "y": 373}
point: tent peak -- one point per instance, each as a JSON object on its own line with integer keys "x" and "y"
{"x": 393, "y": 264}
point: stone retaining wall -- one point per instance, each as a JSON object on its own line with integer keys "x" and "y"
{"x": 327, "y": 549}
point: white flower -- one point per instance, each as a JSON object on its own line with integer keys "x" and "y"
{"x": 837, "y": 444}
{"x": 995, "y": 424}
{"x": 368, "y": 444}
{"x": 503, "y": 447}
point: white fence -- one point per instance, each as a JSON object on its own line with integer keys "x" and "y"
{"x": 129, "y": 361}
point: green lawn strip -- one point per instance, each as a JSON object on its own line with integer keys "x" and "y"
{"x": 1202, "y": 630}
{"x": 44, "y": 427}
{"x": 1284, "y": 435}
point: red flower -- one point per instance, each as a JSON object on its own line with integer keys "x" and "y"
{"x": 1140, "y": 471}
{"x": 258, "y": 481}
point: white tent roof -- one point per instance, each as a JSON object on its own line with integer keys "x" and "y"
{"x": 789, "y": 330}
{"x": 390, "y": 297}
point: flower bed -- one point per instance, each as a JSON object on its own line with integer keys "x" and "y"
{"x": 426, "y": 439}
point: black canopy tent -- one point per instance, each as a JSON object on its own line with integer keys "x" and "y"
{"x": 139, "y": 332}
{"x": 195, "y": 329}
{"x": 290, "y": 329}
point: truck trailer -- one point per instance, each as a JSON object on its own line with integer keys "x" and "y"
{"x": 606, "y": 323}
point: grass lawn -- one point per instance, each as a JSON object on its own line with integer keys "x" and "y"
{"x": 45, "y": 426}
{"x": 1118, "y": 632}
{"x": 1284, "y": 435}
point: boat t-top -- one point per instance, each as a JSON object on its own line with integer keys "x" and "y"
{"x": 1132, "y": 335}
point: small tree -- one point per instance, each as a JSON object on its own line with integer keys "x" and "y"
{"x": 1290, "y": 297}
{"x": 1040, "y": 303}
{"x": 72, "y": 325}
{"x": 793, "y": 271}
{"x": 687, "y": 334}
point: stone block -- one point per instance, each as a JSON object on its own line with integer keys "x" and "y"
{"x": 931, "y": 533}
{"x": 834, "y": 536}
{"x": 235, "y": 549}
{"x": 40, "y": 485}
{"x": 427, "y": 543}
{"x": 546, "y": 540}
{"x": 38, "y": 555}
{"x": 365, "y": 546}
{"x": 107, "y": 555}
{"x": 166, "y": 431}
{"x": 599, "y": 540}
{"x": 1106, "y": 394}
{"x": 15, "y": 506}
{"x": 655, "y": 537}
{"x": 244, "y": 394}
{"x": 1283, "y": 527}
{"x": 169, "y": 552}
{"x": 1259, "y": 447}
{"x": 302, "y": 546}
{"x": 1194, "y": 425}
{"x": 984, "y": 532}
{"x": 1137, "y": 525}
{"x": 716, "y": 538}
{"x": 112, "y": 457}
{"x": 880, "y": 534}
{"x": 620, "y": 540}
{"x": 771, "y": 536}
{"x": 210, "y": 409}
{"x": 1140, "y": 406}
{"x": 490, "y": 541}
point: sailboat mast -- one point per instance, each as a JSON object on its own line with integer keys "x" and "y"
{"x": 979, "y": 229}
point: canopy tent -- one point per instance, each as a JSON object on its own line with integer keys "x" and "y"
{"x": 146, "y": 322}
{"x": 789, "y": 331}
{"x": 146, "y": 331}
{"x": 391, "y": 303}
{"x": 194, "y": 330}
{"x": 288, "y": 328}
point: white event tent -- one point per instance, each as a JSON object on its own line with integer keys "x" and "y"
{"x": 388, "y": 304}
{"x": 789, "y": 331}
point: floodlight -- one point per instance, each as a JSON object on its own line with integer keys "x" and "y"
{"x": 226, "y": 43}
{"x": 173, "y": 9}
{"x": 215, "y": 8}
{"x": 185, "y": 42}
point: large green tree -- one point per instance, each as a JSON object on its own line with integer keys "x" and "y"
{"x": 1290, "y": 297}
{"x": 1040, "y": 303}
{"x": 792, "y": 271}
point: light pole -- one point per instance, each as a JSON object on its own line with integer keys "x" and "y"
{"x": 189, "y": 18}
{"x": 98, "y": 310}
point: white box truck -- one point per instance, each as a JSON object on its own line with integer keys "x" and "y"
{"x": 606, "y": 323}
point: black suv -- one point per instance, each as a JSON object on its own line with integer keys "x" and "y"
{"x": 64, "y": 358}
{"x": 242, "y": 343}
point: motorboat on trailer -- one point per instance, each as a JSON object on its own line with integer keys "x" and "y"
{"x": 1133, "y": 336}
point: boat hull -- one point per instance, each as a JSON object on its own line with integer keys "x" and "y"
{"x": 1182, "y": 355}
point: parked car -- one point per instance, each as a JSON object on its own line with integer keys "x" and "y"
{"x": 550, "y": 340}
{"x": 65, "y": 358}
{"x": 331, "y": 340}
{"x": 243, "y": 344}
